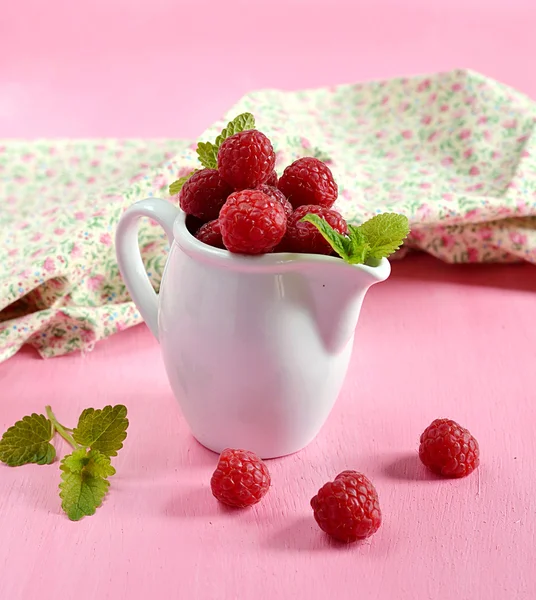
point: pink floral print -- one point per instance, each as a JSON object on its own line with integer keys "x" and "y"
{"x": 60, "y": 264}
{"x": 452, "y": 151}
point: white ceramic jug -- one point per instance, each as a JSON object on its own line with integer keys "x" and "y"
{"x": 256, "y": 348}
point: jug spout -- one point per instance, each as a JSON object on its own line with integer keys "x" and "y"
{"x": 338, "y": 290}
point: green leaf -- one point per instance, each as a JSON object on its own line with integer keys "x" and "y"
{"x": 359, "y": 248}
{"x": 243, "y": 122}
{"x": 83, "y": 482}
{"x": 81, "y": 496}
{"x": 28, "y": 442}
{"x": 208, "y": 155}
{"x": 92, "y": 462}
{"x": 340, "y": 243}
{"x": 102, "y": 429}
{"x": 208, "y": 152}
{"x": 176, "y": 186}
{"x": 385, "y": 233}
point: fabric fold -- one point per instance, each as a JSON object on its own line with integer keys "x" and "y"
{"x": 453, "y": 151}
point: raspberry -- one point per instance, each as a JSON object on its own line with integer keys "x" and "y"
{"x": 308, "y": 181}
{"x": 348, "y": 508}
{"x": 204, "y": 194}
{"x": 272, "y": 179}
{"x": 448, "y": 449}
{"x": 241, "y": 478}
{"x": 246, "y": 159}
{"x": 278, "y": 195}
{"x": 210, "y": 234}
{"x": 252, "y": 223}
{"x": 305, "y": 237}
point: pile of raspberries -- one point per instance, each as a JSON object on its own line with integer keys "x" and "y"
{"x": 243, "y": 207}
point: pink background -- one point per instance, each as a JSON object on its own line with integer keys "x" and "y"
{"x": 168, "y": 68}
{"x": 455, "y": 341}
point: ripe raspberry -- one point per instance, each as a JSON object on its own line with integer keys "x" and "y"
{"x": 448, "y": 449}
{"x": 252, "y": 223}
{"x": 241, "y": 478}
{"x": 272, "y": 179}
{"x": 278, "y": 195}
{"x": 246, "y": 159}
{"x": 348, "y": 508}
{"x": 308, "y": 181}
{"x": 210, "y": 234}
{"x": 204, "y": 194}
{"x": 305, "y": 237}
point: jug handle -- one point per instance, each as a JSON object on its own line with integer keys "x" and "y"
{"x": 129, "y": 257}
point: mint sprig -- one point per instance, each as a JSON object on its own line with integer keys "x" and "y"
{"x": 243, "y": 122}
{"x": 359, "y": 246}
{"x": 368, "y": 243}
{"x": 207, "y": 152}
{"x": 385, "y": 233}
{"x": 84, "y": 480}
{"x": 340, "y": 243}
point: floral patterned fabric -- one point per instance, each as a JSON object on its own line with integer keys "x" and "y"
{"x": 455, "y": 152}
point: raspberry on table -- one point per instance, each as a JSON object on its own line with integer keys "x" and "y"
{"x": 278, "y": 195}
{"x": 348, "y": 508}
{"x": 305, "y": 237}
{"x": 272, "y": 179}
{"x": 241, "y": 478}
{"x": 210, "y": 234}
{"x": 308, "y": 181}
{"x": 204, "y": 194}
{"x": 448, "y": 449}
{"x": 246, "y": 159}
{"x": 252, "y": 223}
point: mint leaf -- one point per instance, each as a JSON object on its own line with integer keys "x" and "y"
{"x": 102, "y": 429}
{"x": 208, "y": 152}
{"x": 369, "y": 243}
{"x": 85, "y": 472}
{"x": 84, "y": 482}
{"x": 176, "y": 186}
{"x": 81, "y": 496}
{"x": 385, "y": 233}
{"x": 28, "y": 442}
{"x": 359, "y": 248}
{"x": 340, "y": 243}
{"x": 92, "y": 463}
{"x": 243, "y": 122}
{"x": 208, "y": 155}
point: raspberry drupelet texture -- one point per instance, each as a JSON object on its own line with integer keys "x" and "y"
{"x": 241, "y": 478}
{"x": 204, "y": 194}
{"x": 348, "y": 508}
{"x": 278, "y": 195}
{"x": 272, "y": 179}
{"x": 252, "y": 223}
{"x": 304, "y": 237}
{"x": 448, "y": 449}
{"x": 308, "y": 181}
{"x": 246, "y": 159}
{"x": 210, "y": 234}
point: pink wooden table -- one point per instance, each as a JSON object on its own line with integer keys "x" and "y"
{"x": 455, "y": 341}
